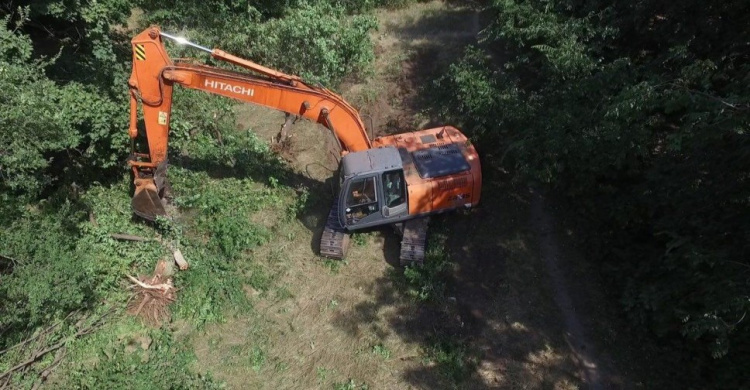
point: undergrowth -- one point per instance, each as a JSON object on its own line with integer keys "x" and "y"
{"x": 427, "y": 282}
{"x": 452, "y": 358}
{"x": 76, "y": 271}
{"x": 126, "y": 355}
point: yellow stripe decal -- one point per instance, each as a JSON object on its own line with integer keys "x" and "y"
{"x": 140, "y": 52}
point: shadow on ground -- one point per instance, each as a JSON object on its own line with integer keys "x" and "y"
{"x": 262, "y": 168}
{"x": 494, "y": 322}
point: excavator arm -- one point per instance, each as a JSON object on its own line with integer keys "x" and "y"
{"x": 154, "y": 75}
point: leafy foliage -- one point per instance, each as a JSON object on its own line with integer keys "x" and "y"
{"x": 76, "y": 266}
{"x": 317, "y": 41}
{"x": 362, "y": 6}
{"x": 639, "y": 113}
{"x": 54, "y": 123}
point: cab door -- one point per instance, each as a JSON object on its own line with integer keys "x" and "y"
{"x": 395, "y": 203}
{"x": 361, "y": 201}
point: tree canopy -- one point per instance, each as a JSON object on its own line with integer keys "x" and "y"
{"x": 639, "y": 113}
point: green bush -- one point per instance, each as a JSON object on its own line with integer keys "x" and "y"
{"x": 639, "y": 113}
{"x": 363, "y": 6}
{"x": 317, "y": 41}
{"x": 66, "y": 125}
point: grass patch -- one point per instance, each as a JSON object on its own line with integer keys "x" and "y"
{"x": 334, "y": 266}
{"x": 382, "y": 351}
{"x": 282, "y": 293}
{"x": 324, "y": 373}
{"x": 453, "y": 360}
{"x": 426, "y": 282}
{"x": 360, "y": 239}
{"x": 351, "y": 384}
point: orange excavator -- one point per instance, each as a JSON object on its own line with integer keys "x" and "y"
{"x": 396, "y": 179}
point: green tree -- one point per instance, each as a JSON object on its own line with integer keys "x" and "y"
{"x": 63, "y": 108}
{"x": 639, "y": 112}
{"x": 317, "y": 41}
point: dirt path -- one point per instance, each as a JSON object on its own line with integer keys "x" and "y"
{"x": 515, "y": 308}
{"x": 575, "y": 335}
{"x": 413, "y": 46}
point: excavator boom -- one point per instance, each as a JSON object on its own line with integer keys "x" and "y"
{"x": 154, "y": 75}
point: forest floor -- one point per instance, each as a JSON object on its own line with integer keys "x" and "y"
{"x": 516, "y": 308}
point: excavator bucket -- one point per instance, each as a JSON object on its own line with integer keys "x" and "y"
{"x": 146, "y": 202}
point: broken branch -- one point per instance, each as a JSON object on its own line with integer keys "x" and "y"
{"x": 180, "y": 260}
{"x": 163, "y": 286}
{"x": 6, "y": 376}
{"x": 129, "y": 237}
{"x": 176, "y": 253}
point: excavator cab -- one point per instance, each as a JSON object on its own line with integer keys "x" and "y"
{"x": 373, "y": 189}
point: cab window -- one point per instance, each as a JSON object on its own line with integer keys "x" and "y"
{"x": 361, "y": 200}
{"x": 361, "y": 192}
{"x": 394, "y": 188}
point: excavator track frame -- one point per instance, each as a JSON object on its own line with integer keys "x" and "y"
{"x": 334, "y": 243}
{"x": 414, "y": 241}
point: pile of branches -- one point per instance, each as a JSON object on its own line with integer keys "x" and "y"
{"x": 47, "y": 341}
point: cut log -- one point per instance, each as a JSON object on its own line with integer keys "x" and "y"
{"x": 180, "y": 260}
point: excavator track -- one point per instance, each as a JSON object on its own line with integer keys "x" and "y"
{"x": 414, "y": 241}
{"x": 335, "y": 240}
